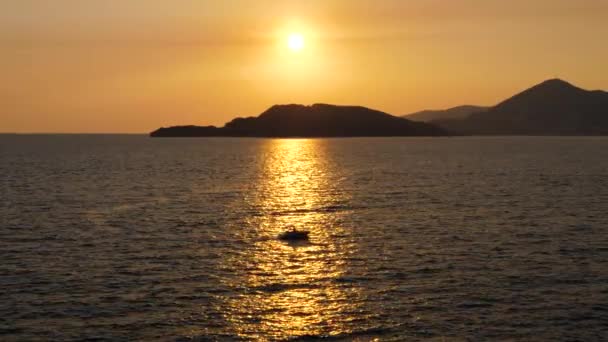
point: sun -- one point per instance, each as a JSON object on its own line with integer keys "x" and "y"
{"x": 296, "y": 42}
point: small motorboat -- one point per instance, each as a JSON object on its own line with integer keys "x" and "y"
{"x": 294, "y": 235}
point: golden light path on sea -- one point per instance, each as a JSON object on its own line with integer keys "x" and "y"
{"x": 292, "y": 289}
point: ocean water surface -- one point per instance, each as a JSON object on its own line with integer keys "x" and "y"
{"x": 464, "y": 239}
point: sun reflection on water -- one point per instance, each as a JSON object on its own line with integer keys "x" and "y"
{"x": 293, "y": 290}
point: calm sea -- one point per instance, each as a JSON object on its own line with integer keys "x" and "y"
{"x": 131, "y": 238}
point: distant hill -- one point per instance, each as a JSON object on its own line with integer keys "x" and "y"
{"x": 319, "y": 120}
{"x": 553, "y": 107}
{"x": 459, "y": 112}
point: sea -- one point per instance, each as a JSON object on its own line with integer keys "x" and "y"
{"x": 129, "y": 238}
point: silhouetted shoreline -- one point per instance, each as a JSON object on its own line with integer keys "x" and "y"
{"x": 551, "y": 108}
{"x": 319, "y": 120}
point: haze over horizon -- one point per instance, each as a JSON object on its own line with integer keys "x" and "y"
{"x": 129, "y": 67}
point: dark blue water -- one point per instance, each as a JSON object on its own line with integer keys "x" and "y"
{"x": 131, "y": 238}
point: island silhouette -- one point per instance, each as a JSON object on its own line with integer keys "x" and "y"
{"x": 318, "y": 120}
{"x": 553, "y": 107}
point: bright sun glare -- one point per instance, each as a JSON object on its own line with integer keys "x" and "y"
{"x": 295, "y": 42}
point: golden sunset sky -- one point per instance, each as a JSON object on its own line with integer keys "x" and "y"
{"x": 136, "y": 65}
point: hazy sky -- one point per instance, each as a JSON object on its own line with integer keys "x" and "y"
{"x": 136, "y": 65}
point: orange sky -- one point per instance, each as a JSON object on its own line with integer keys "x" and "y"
{"x": 133, "y": 66}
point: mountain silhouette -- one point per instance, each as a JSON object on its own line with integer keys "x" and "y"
{"x": 553, "y": 107}
{"x": 459, "y": 112}
{"x": 319, "y": 120}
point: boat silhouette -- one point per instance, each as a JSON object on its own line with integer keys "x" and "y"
{"x": 295, "y": 235}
